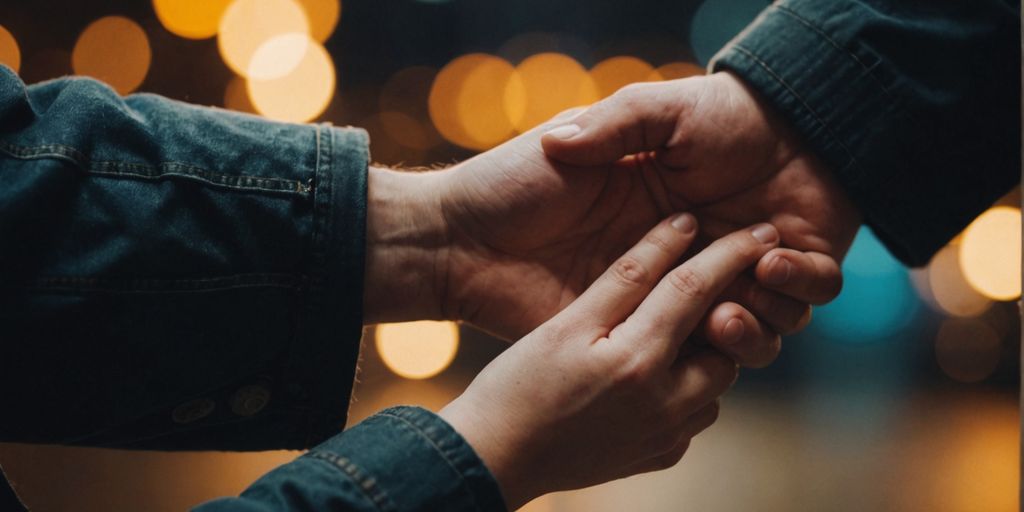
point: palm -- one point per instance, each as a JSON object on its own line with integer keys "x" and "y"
{"x": 538, "y": 233}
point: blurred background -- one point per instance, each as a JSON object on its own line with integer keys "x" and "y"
{"x": 902, "y": 395}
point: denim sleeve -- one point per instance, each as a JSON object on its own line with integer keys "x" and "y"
{"x": 915, "y": 105}
{"x": 401, "y": 459}
{"x": 172, "y": 276}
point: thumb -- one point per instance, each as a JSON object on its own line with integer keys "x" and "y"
{"x": 638, "y": 117}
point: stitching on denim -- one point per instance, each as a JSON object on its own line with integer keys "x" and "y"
{"x": 444, "y": 453}
{"x": 154, "y": 285}
{"x": 852, "y": 160}
{"x": 148, "y": 172}
{"x": 367, "y": 484}
{"x": 804, "y": 21}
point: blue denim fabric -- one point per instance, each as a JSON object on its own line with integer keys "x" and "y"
{"x": 179, "y": 277}
{"x": 401, "y": 459}
{"x": 914, "y": 104}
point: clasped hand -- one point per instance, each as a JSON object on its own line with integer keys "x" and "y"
{"x": 619, "y": 367}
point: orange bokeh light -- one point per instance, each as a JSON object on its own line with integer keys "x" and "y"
{"x": 302, "y": 94}
{"x": 466, "y": 103}
{"x": 113, "y": 49}
{"x": 544, "y": 85}
{"x": 10, "y": 54}
{"x": 676, "y": 70}
{"x": 191, "y": 19}
{"x": 615, "y": 73}
{"x": 249, "y": 24}
{"x": 323, "y": 16}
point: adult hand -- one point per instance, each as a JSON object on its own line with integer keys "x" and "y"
{"x": 601, "y": 391}
{"x": 709, "y": 145}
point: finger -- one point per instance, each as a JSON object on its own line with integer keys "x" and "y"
{"x": 618, "y": 291}
{"x": 782, "y": 313}
{"x": 735, "y": 332}
{"x": 700, "y": 379}
{"x": 638, "y": 117}
{"x": 810, "y": 277}
{"x": 676, "y": 305}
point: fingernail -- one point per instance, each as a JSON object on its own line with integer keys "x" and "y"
{"x": 765, "y": 233}
{"x": 684, "y": 222}
{"x": 733, "y": 331}
{"x": 565, "y": 132}
{"x": 779, "y": 271}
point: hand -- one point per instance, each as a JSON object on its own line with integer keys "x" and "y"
{"x": 709, "y": 145}
{"x": 601, "y": 391}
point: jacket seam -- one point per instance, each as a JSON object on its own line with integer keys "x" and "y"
{"x": 165, "y": 170}
{"x": 852, "y": 160}
{"x": 367, "y": 484}
{"x": 444, "y": 453}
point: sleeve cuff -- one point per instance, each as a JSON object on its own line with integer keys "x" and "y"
{"x": 850, "y": 107}
{"x": 323, "y": 359}
{"x": 407, "y": 458}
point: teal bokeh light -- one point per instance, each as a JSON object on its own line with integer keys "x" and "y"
{"x": 878, "y": 301}
{"x": 718, "y": 21}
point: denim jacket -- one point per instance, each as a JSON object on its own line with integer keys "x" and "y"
{"x": 177, "y": 277}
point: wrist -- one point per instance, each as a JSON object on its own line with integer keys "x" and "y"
{"x": 406, "y": 247}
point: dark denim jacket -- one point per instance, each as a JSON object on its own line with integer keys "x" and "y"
{"x": 176, "y": 277}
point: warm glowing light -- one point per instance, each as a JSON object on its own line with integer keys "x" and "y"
{"x": 278, "y": 56}
{"x": 407, "y": 131}
{"x": 676, "y": 70}
{"x": 236, "y": 96}
{"x": 10, "y": 55}
{"x": 191, "y": 19}
{"x": 967, "y": 350}
{"x": 544, "y": 85}
{"x": 466, "y": 102}
{"x": 418, "y": 350}
{"x": 950, "y": 291}
{"x": 249, "y": 24}
{"x": 990, "y": 253}
{"x": 302, "y": 94}
{"x": 113, "y": 49}
{"x": 323, "y": 17}
{"x": 615, "y": 73}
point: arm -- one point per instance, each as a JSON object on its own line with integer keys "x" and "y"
{"x": 914, "y": 106}
{"x": 174, "y": 276}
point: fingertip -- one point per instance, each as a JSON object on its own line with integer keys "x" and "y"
{"x": 777, "y": 271}
{"x": 765, "y": 233}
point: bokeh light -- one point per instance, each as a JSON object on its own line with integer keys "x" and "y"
{"x": 676, "y": 70}
{"x": 236, "y": 96}
{"x": 544, "y": 85}
{"x": 466, "y": 101}
{"x": 949, "y": 290}
{"x": 278, "y": 56}
{"x": 615, "y": 73}
{"x": 718, "y": 21}
{"x": 877, "y": 301}
{"x": 302, "y": 94}
{"x": 990, "y": 253}
{"x": 967, "y": 350}
{"x": 323, "y": 16}
{"x": 191, "y": 19}
{"x": 113, "y": 49}
{"x": 249, "y": 24}
{"x": 407, "y": 131}
{"x": 417, "y": 350}
{"x": 10, "y": 54}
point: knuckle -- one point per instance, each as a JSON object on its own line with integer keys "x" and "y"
{"x": 630, "y": 272}
{"x": 659, "y": 242}
{"x": 689, "y": 282}
{"x": 635, "y": 371}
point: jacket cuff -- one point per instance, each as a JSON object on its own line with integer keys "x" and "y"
{"x": 849, "y": 106}
{"x": 323, "y": 358}
{"x": 408, "y": 458}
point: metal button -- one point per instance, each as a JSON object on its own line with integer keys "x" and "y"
{"x": 193, "y": 410}
{"x": 250, "y": 400}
